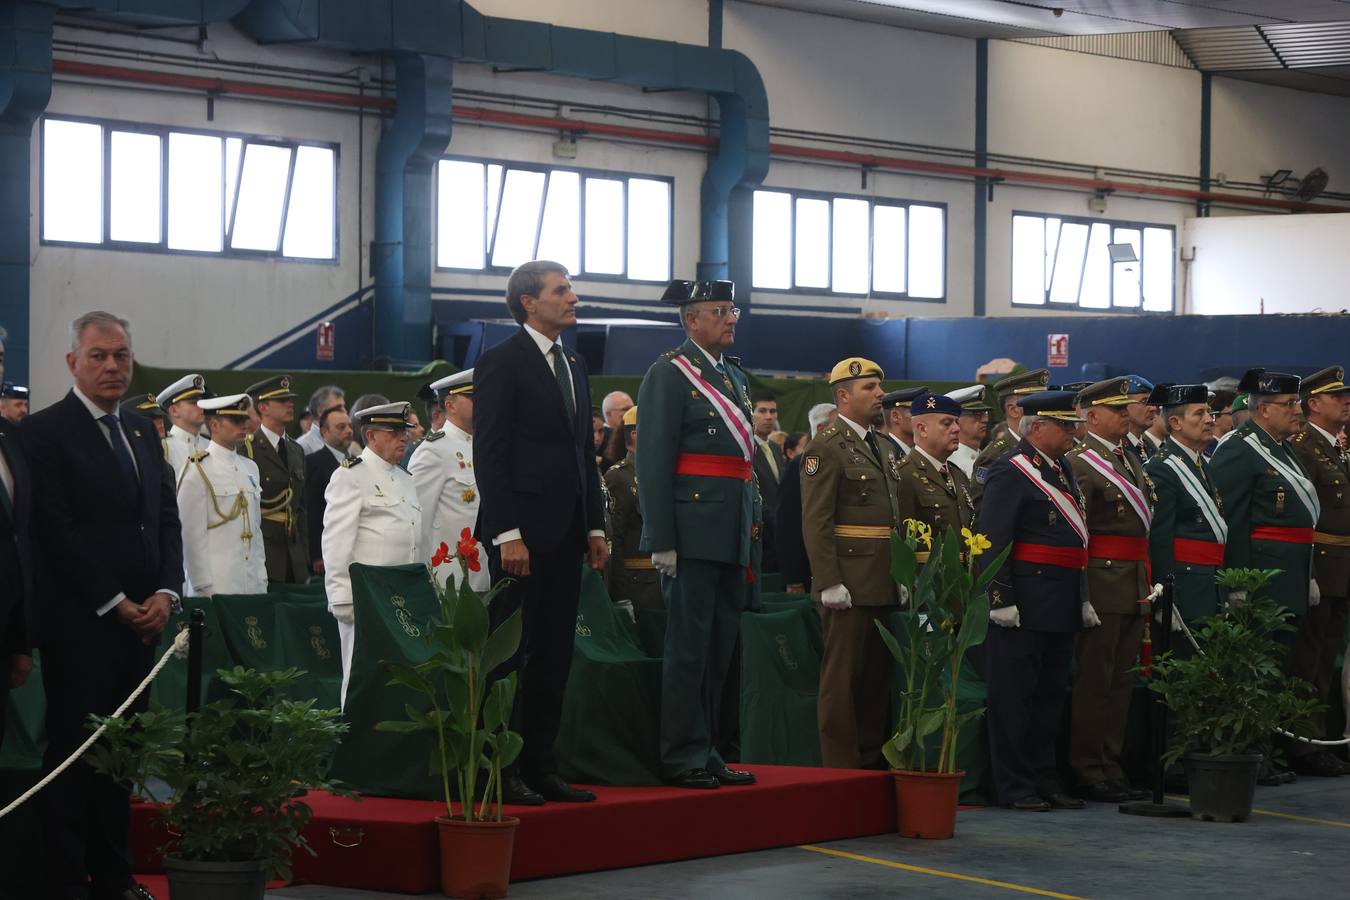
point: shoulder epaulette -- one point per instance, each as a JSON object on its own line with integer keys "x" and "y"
{"x": 830, "y": 432}
{"x": 1298, "y": 438}
{"x": 734, "y": 360}
{"x": 671, "y": 354}
{"x": 434, "y": 435}
{"x": 198, "y": 456}
{"x": 351, "y": 461}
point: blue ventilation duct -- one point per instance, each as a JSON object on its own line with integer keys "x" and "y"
{"x": 454, "y": 31}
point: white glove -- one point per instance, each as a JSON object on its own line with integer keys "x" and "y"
{"x": 627, "y": 606}
{"x": 836, "y": 597}
{"x": 343, "y": 614}
{"x": 1237, "y": 596}
{"x": 1006, "y": 617}
{"x": 904, "y": 596}
{"x": 664, "y": 561}
{"x": 1314, "y": 594}
{"x": 1176, "y": 618}
{"x": 1090, "y": 617}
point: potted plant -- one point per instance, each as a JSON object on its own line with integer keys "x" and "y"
{"x": 948, "y": 614}
{"x": 468, "y": 720}
{"x": 234, "y": 769}
{"x": 1228, "y": 700}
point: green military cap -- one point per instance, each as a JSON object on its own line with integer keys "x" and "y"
{"x": 1111, "y": 392}
{"x": 1330, "y": 380}
{"x": 1240, "y": 401}
{"x": 145, "y": 404}
{"x": 1022, "y": 383}
{"x": 278, "y": 387}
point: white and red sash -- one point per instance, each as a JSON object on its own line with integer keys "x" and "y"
{"x": 1138, "y": 502}
{"x": 1066, "y": 504}
{"x": 738, "y": 426}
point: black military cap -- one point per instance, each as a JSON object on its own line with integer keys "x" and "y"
{"x": 1158, "y": 396}
{"x": 425, "y": 392}
{"x": 680, "y": 292}
{"x": 1178, "y": 395}
{"x": 10, "y": 391}
{"x": 1221, "y": 400}
{"x": 902, "y": 397}
{"x": 1050, "y": 405}
{"x": 278, "y": 387}
{"x": 1259, "y": 381}
{"x": 1330, "y": 380}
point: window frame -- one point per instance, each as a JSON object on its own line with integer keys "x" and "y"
{"x": 1112, "y": 225}
{"x": 582, "y": 173}
{"x": 227, "y": 211}
{"x": 873, "y": 202}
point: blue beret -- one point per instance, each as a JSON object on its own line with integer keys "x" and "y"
{"x": 928, "y": 403}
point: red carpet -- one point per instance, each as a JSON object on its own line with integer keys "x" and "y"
{"x": 382, "y": 844}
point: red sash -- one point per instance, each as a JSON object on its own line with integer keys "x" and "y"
{"x": 1197, "y": 553}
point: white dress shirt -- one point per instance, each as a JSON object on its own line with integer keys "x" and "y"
{"x": 963, "y": 458}
{"x": 311, "y": 441}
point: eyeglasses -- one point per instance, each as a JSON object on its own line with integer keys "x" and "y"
{"x": 721, "y": 312}
{"x": 1291, "y": 403}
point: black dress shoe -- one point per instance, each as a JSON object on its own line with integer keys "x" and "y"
{"x": 1104, "y": 792}
{"x": 698, "y": 779}
{"x": 1134, "y": 793}
{"x": 1059, "y": 800}
{"x": 733, "y": 777}
{"x": 1029, "y": 803}
{"x": 517, "y": 793}
{"x": 1318, "y": 764}
{"x": 554, "y": 789}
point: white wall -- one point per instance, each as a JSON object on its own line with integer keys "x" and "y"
{"x": 1291, "y": 263}
{"x": 1258, "y": 129}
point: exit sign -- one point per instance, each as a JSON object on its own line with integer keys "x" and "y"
{"x": 1057, "y": 350}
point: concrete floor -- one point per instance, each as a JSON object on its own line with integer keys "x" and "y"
{"x": 1298, "y": 847}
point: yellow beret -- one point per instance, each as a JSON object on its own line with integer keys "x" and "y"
{"x": 855, "y": 367}
{"x": 630, "y": 417}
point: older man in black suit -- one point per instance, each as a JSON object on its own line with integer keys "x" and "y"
{"x": 541, "y": 513}
{"x": 110, "y": 539}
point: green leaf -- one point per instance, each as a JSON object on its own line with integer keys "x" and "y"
{"x": 891, "y": 643}
{"x": 903, "y": 561}
{"x": 471, "y": 626}
{"x": 503, "y": 642}
{"x": 931, "y": 722}
{"x": 396, "y": 727}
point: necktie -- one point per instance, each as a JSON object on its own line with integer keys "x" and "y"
{"x": 119, "y": 449}
{"x": 1119, "y": 451}
{"x": 564, "y": 383}
{"x": 773, "y": 463}
{"x": 871, "y": 440}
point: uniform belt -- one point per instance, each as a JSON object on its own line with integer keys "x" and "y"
{"x": 1114, "y": 546}
{"x": 713, "y": 465}
{"x": 1283, "y": 535}
{"x": 1197, "y": 553}
{"x": 1334, "y": 540}
{"x": 638, "y": 562}
{"x": 1064, "y": 557}
{"x": 876, "y": 532}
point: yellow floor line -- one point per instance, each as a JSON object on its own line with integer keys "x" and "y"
{"x": 1281, "y": 815}
{"x": 890, "y": 864}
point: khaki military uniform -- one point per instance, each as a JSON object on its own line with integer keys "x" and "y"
{"x": 941, "y": 501}
{"x": 849, "y": 509}
{"x": 630, "y": 575}
{"x": 1117, "y": 579}
{"x": 285, "y": 528}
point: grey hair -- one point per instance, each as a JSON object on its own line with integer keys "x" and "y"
{"x": 528, "y": 279}
{"x": 103, "y": 321}
{"x": 607, "y": 404}
{"x": 319, "y": 399}
{"x": 1255, "y": 400}
{"x": 365, "y": 401}
{"x": 819, "y": 415}
{"x": 4, "y": 335}
{"x": 1026, "y": 423}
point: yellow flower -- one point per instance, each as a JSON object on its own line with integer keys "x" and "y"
{"x": 975, "y": 543}
{"x": 919, "y": 532}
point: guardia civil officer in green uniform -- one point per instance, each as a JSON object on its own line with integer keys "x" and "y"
{"x": 1118, "y": 505}
{"x": 932, "y": 489}
{"x": 848, "y": 481}
{"x": 633, "y": 580}
{"x": 697, "y": 497}
{"x": 1321, "y": 635}
{"x": 1269, "y": 503}
{"x": 281, "y": 469}
{"x": 1004, "y": 436}
{"x": 1188, "y": 533}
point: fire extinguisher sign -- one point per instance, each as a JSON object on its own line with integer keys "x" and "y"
{"x": 323, "y": 350}
{"x": 1057, "y": 350}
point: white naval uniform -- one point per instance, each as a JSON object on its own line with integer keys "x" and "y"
{"x": 963, "y": 458}
{"x": 179, "y": 444}
{"x": 442, "y": 469}
{"x": 372, "y": 517}
{"x": 222, "y": 525}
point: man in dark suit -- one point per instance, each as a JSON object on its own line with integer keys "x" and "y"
{"x": 769, "y": 468}
{"x": 16, "y": 566}
{"x": 111, "y": 544}
{"x": 542, "y": 512}
{"x": 335, "y": 429}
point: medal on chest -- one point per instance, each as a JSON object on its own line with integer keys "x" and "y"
{"x": 1279, "y": 500}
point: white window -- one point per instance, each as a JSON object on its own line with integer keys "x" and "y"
{"x": 187, "y": 191}
{"x": 495, "y": 216}
{"x": 1067, "y": 262}
{"x": 849, "y": 245}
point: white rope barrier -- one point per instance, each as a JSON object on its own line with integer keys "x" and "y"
{"x": 179, "y": 648}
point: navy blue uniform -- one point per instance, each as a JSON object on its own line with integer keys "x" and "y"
{"x": 1027, "y": 668}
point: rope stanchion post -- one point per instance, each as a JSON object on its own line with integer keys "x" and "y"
{"x": 1158, "y": 808}
{"x": 196, "y": 629}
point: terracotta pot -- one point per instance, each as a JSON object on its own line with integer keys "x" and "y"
{"x": 925, "y": 803}
{"x": 476, "y": 857}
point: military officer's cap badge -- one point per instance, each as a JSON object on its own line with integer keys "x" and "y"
{"x": 1330, "y": 380}
{"x": 930, "y": 403}
{"x": 855, "y": 367}
{"x": 811, "y": 465}
{"x": 1260, "y": 381}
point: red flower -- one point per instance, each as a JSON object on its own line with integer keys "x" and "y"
{"x": 467, "y": 550}
{"x": 442, "y": 555}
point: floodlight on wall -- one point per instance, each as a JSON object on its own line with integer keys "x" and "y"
{"x": 1122, "y": 253}
{"x": 1277, "y": 179}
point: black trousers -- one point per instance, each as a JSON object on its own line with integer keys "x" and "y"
{"x": 547, "y": 599}
{"x": 90, "y": 666}
{"x": 1027, "y": 681}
